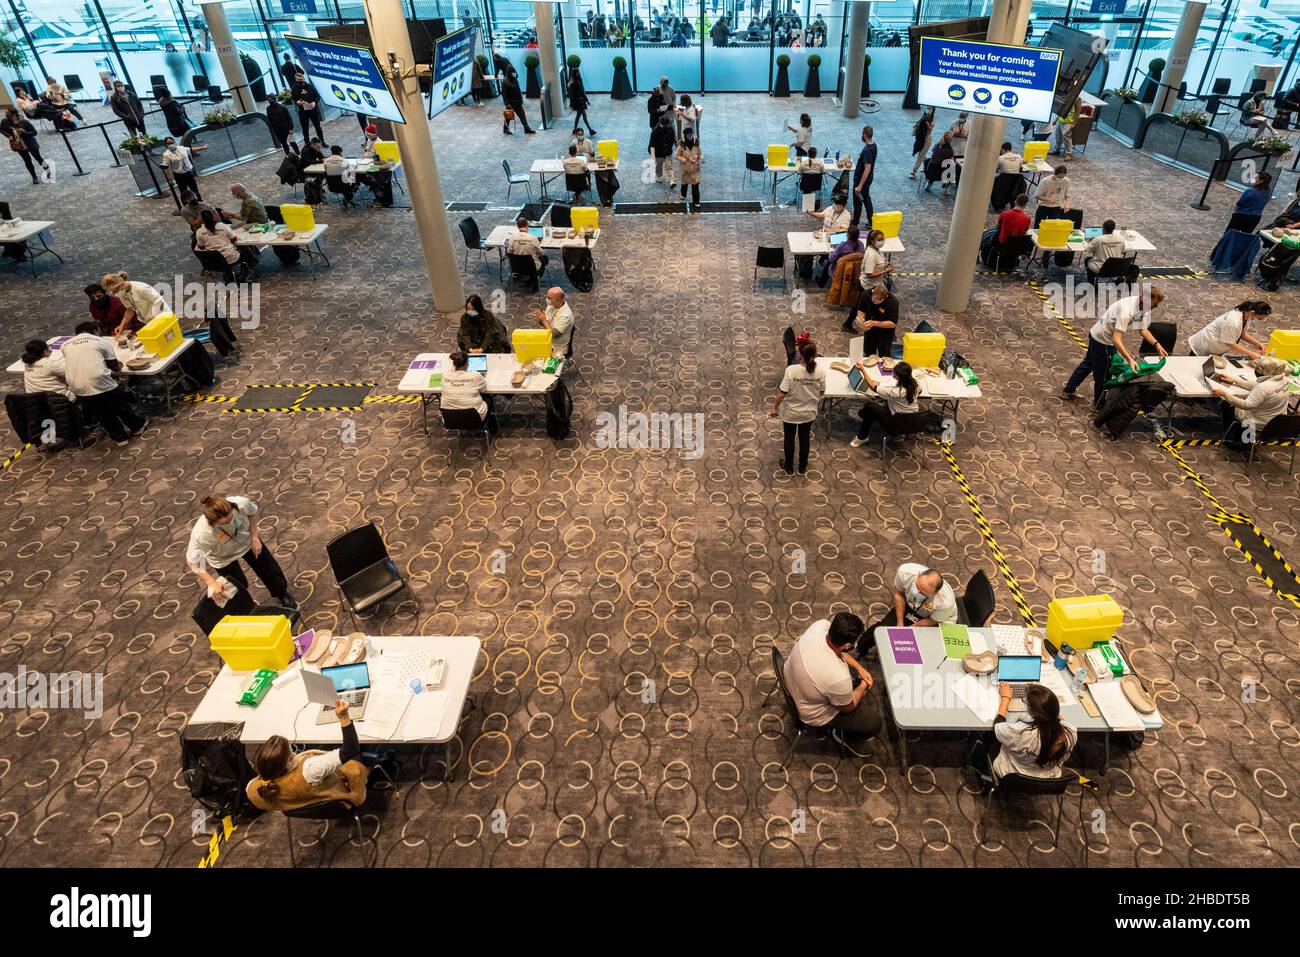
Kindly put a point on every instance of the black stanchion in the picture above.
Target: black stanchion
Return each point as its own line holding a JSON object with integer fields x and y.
{"x": 1219, "y": 165}
{"x": 111, "y": 150}
{"x": 76, "y": 162}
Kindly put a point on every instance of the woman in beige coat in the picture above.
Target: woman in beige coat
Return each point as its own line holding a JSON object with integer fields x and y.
{"x": 688, "y": 167}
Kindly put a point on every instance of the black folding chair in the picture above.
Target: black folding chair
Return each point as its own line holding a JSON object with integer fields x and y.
{"x": 365, "y": 573}
{"x": 770, "y": 257}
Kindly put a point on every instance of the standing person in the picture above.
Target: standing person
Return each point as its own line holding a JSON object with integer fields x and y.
{"x": 960, "y": 133}
{"x": 1251, "y": 203}
{"x": 879, "y": 323}
{"x": 173, "y": 111}
{"x": 922, "y": 132}
{"x": 308, "y": 102}
{"x": 513, "y": 97}
{"x": 578, "y": 102}
{"x": 141, "y": 300}
{"x": 1226, "y": 334}
{"x": 655, "y": 108}
{"x": 661, "y": 148}
{"x": 1107, "y": 337}
{"x": 281, "y": 123}
{"x": 900, "y": 397}
{"x": 1065, "y": 131}
{"x": 126, "y": 107}
{"x": 480, "y": 331}
{"x": 669, "y": 107}
{"x": 477, "y": 83}
{"x": 802, "y": 135}
{"x": 289, "y": 70}
{"x": 689, "y": 159}
{"x": 61, "y": 97}
{"x": 22, "y": 140}
{"x": 179, "y": 161}
{"x": 225, "y": 534}
{"x": 797, "y": 402}
{"x": 89, "y": 362}
{"x": 863, "y": 173}
{"x": 688, "y": 117}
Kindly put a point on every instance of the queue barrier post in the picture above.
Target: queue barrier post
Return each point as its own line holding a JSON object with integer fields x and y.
{"x": 76, "y": 162}
{"x": 111, "y": 151}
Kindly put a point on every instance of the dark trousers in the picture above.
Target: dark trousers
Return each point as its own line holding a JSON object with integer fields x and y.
{"x": 520, "y": 115}
{"x": 863, "y": 721}
{"x": 862, "y": 201}
{"x": 1232, "y": 439}
{"x": 284, "y": 141}
{"x": 804, "y": 431}
{"x": 695, "y": 193}
{"x": 112, "y": 410}
{"x": 1095, "y": 363}
{"x": 134, "y": 127}
{"x": 586, "y": 123}
{"x": 32, "y": 152}
{"x": 188, "y": 181}
{"x": 874, "y": 413}
{"x": 877, "y": 341}
{"x": 265, "y": 566}
{"x": 313, "y": 117}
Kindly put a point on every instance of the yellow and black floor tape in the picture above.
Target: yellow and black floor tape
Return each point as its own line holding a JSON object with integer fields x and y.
{"x": 1198, "y": 443}
{"x": 999, "y": 558}
{"x": 208, "y": 398}
{"x": 221, "y": 836}
{"x": 12, "y": 457}
{"x": 1072, "y": 332}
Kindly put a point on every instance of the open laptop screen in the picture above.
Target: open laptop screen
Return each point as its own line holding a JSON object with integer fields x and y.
{"x": 348, "y": 677}
{"x": 1019, "y": 668}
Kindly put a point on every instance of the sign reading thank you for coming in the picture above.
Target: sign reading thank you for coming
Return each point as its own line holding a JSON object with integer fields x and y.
{"x": 346, "y": 76}
{"x": 1011, "y": 81}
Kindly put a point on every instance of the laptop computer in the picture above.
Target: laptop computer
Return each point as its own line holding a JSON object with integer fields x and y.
{"x": 1019, "y": 671}
{"x": 538, "y": 231}
{"x": 1091, "y": 232}
{"x": 1208, "y": 371}
{"x": 351, "y": 683}
{"x": 837, "y": 238}
{"x": 477, "y": 363}
{"x": 858, "y": 381}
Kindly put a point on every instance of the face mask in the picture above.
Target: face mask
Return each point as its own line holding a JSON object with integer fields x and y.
{"x": 471, "y": 313}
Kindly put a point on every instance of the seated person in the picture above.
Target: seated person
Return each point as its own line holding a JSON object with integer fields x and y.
{"x": 368, "y": 149}
{"x": 1037, "y": 745}
{"x": 312, "y": 154}
{"x": 900, "y": 394}
{"x": 582, "y": 142}
{"x": 1226, "y": 334}
{"x": 922, "y": 599}
{"x": 45, "y": 371}
{"x": 574, "y": 164}
{"x": 834, "y": 218}
{"x": 1267, "y": 398}
{"x": 1253, "y": 115}
{"x": 810, "y": 164}
{"x": 480, "y": 331}
{"x": 877, "y": 320}
{"x": 942, "y": 165}
{"x": 524, "y": 243}
{"x": 1290, "y": 216}
{"x": 251, "y": 210}
{"x": 336, "y": 165}
{"x": 462, "y": 389}
{"x": 1009, "y": 161}
{"x": 287, "y": 781}
{"x": 1103, "y": 247}
{"x": 1014, "y": 221}
{"x": 215, "y": 236}
{"x": 852, "y": 244}
{"x": 109, "y": 313}
{"x": 819, "y": 674}
{"x": 558, "y": 318}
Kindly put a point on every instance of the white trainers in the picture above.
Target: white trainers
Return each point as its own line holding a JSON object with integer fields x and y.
{"x": 857, "y": 443}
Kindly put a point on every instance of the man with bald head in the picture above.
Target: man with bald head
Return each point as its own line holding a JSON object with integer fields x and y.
{"x": 558, "y": 318}
{"x": 921, "y": 599}
{"x": 251, "y": 209}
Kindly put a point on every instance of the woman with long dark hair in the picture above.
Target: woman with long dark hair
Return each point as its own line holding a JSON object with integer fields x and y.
{"x": 797, "y": 403}
{"x": 900, "y": 397}
{"x": 578, "y": 102}
{"x": 480, "y": 331}
{"x": 1036, "y": 746}
{"x": 922, "y": 130}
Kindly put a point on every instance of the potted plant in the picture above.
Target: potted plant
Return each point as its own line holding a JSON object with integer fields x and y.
{"x": 622, "y": 89}
{"x": 1192, "y": 119}
{"x": 12, "y": 54}
{"x": 218, "y": 117}
{"x": 1155, "y": 69}
{"x": 256, "y": 81}
{"x": 1127, "y": 94}
{"x": 533, "y": 89}
{"x": 285, "y": 96}
{"x": 1271, "y": 144}
{"x": 137, "y": 145}
{"x": 813, "y": 85}
{"x": 574, "y": 61}
{"x": 782, "y": 87}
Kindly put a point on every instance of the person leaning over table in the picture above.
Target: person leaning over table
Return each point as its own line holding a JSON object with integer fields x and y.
{"x": 1266, "y": 398}
{"x": 1107, "y": 337}
{"x": 480, "y": 331}
{"x": 463, "y": 389}
{"x": 251, "y": 210}
{"x": 225, "y": 534}
{"x": 45, "y": 371}
{"x": 312, "y": 154}
{"x": 89, "y": 363}
{"x": 109, "y": 313}
{"x": 1037, "y": 745}
{"x": 1226, "y": 333}
{"x": 558, "y": 318}
{"x": 799, "y": 397}
{"x": 142, "y": 301}
{"x": 287, "y": 781}
{"x": 819, "y": 674}
{"x": 921, "y": 599}
{"x": 1108, "y": 245}
{"x": 523, "y": 243}
{"x": 1053, "y": 195}
{"x": 900, "y": 394}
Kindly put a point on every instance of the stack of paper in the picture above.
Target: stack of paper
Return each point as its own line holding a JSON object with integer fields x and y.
{"x": 384, "y": 712}
{"x": 417, "y": 375}
{"x": 1010, "y": 639}
{"x": 1114, "y": 707}
{"x": 979, "y": 694}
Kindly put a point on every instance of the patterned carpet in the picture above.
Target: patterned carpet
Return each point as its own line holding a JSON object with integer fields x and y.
{"x": 623, "y": 564}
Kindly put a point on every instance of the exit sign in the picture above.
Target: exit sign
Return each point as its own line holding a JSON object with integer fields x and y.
{"x": 298, "y": 6}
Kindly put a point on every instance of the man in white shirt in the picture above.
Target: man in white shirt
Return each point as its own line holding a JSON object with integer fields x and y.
{"x": 558, "y": 318}
{"x": 1106, "y": 246}
{"x": 819, "y": 675}
{"x": 921, "y": 599}
{"x": 524, "y": 243}
{"x": 960, "y": 133}
{"x": 1107, "y": 337}
{"x": 179, "y": 161}
{"x": 88, "y": 363}
{"x": 576, "y": 165}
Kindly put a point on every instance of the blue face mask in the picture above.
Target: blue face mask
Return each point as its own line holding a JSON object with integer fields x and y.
{"x": 471, "y": 313}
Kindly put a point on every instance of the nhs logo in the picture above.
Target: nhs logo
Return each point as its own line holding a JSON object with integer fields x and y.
{"x": 1049, "y": 56}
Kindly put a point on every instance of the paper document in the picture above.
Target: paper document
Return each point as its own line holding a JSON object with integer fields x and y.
{"x": 384, "y": 711}
{"x": 1053, "y": 679}
{"x": 1114, "y": 707}
{"x": 1010, "y": 639}
{"x": 979, "y": 642}
{"x": 940, "y": 387}
{"x": 956, "y": 641}
{"x": 979, "y": 694}
{"x": 856, "y": 345}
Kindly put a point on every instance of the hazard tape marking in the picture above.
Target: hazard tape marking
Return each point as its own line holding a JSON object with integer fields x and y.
{"x": 222, "y": 836}
{"x": 12, "y": 457}
{"x": 999, "y": 558}
{"x": 1072, "y": 332}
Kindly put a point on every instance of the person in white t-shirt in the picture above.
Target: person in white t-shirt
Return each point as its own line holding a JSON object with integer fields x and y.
{"x": 1108, "y": 245}
{"x": 89, "y": 361}
{"x": 1227, "y": 333}
{"x": 462, "y": 389}
{"x": 875, "y": 267}
{"x": 44, "y": 371}
{"x": 921, "y": 599}
{"x": 797, "y": 402}
{"x": 900, "y": 393}
{"x": 1037, "y": 745}
{"x": 557, "y": 317}
{"x": 179, "y": 161}
{"x": 1107, "y": 337}
{"x": 835, "y": 218}
{"x": 819, "y": 674}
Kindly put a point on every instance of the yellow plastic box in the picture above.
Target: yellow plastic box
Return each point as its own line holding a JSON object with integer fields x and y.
{"x": 778, "y": 154}
{"x": 386, "y": 151}
{"x": 1285, "y": 343}
{"x": 608, "y": 149}
{"x": 583, "y": 216}
{"x": 1055, "y": 233}
{"x": 253, "y": 642}
{"x": 923, "y": 349}
{"x": 1083, "y": 621}
{"x": 298, "y": 217}
{"x": 530, "y": 344}
{"x": 161, "y": 335}
{"x": 887, "y": 223}
{"x": 1036, "y": 150}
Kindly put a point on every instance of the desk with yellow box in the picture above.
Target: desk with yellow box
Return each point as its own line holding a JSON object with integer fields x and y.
{"x": 548, "y": 170}
{"x": 927, "y": 688}
{"x": 585, "y": 231}
{"x": 1060, "y": 236}
{"x": 424, "y": 375}
{"x": 151, "y": 353}
{"x": 299, "y": 229}
{"x": 782, "y": 163}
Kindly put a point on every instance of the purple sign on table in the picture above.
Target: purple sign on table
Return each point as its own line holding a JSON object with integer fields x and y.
{"x": 424, "y": 364}
{"x": 902, "y": 641}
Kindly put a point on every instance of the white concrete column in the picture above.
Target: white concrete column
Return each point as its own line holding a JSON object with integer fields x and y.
{"x": 970, "y": 211}
{"x": 854, "y": 53}
{"x": 1181, "y": 51}
{"x": 387, "y": 22}
{"x": 233, "y": 70}
{"x": 545, "y": 19}
{"x": 569, "y": 27}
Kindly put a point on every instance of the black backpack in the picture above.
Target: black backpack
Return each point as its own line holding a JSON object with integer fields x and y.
{"x": 559, "y": 411}
{"x": 578, "y": 267}
{"x": 216, "y": 771}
